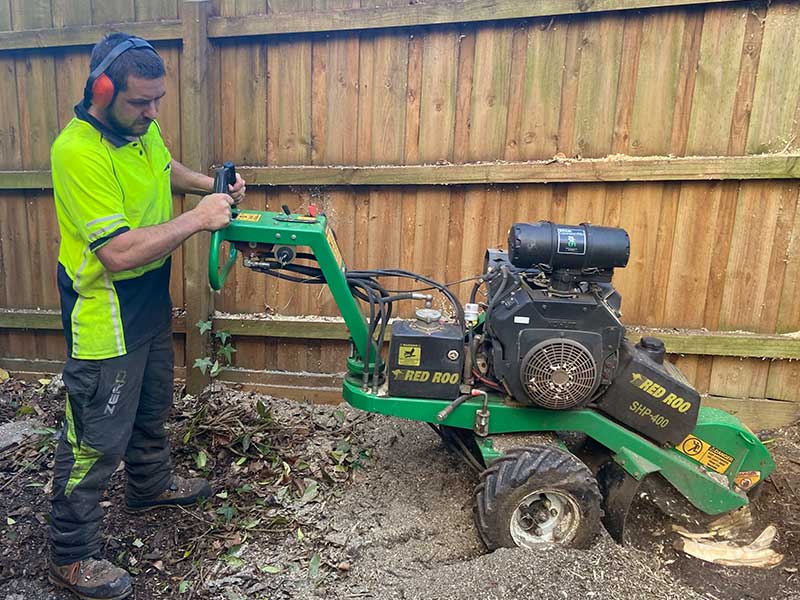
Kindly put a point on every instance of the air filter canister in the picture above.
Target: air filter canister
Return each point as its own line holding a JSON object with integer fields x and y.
{"x": 567, "y": 246}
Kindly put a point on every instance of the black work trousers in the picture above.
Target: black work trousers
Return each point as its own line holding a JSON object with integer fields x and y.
{"x": 116, "y": 409}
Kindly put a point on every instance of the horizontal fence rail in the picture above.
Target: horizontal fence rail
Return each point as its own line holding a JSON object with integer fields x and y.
{"x": 701, "y": 342}
{"x": 411, "y": 15}
{"x": 87, "y": 35}
{"x": 615, "y": 169}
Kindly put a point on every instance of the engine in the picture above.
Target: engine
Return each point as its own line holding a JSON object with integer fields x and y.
{"x": 552, "y": 334}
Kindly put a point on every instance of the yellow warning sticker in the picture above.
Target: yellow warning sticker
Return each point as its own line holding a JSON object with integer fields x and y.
{"x": 337, "y": 254}
{"x": 747, "y": 479}
{"x": 409, "y": 355}
{"x": 250, "y": 217}
{"x": 705, "y": 453}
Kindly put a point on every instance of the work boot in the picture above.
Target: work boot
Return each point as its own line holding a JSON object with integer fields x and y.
{"x": 181, "y": 492}
{"x": 91, "y": 579}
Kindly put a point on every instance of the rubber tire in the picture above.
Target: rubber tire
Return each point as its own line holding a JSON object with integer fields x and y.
{"x": 524, "y": 470}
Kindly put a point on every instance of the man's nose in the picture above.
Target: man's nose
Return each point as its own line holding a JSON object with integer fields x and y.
{"x": 151, "y": 112}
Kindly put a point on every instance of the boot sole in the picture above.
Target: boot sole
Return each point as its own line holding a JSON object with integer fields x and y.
{"x": 140, "y": 509}
{"x": 64, "y": 585}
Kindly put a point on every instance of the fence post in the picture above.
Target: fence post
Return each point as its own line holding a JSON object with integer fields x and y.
{"x": 197, "y": 133}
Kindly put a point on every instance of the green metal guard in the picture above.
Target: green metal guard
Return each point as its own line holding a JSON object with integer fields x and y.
{"x": 635, "y": 454}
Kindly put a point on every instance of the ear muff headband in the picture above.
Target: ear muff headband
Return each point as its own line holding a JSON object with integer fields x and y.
{"x": 99, "y": 88}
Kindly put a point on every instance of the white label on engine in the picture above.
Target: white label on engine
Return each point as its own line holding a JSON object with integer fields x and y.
{"x": 522, "y": 320}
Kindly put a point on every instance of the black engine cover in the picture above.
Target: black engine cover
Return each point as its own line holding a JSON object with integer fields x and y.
{"x": 651, "y": 397}
{"x": 551, "y": 350}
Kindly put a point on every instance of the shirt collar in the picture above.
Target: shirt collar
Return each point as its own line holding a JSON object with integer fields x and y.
{"x": 116, "y": 139}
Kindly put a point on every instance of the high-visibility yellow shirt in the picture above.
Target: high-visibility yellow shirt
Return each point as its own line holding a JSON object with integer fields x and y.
{"x": 104, "y": 185}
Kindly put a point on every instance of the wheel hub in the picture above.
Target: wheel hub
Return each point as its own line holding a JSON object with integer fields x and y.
{"x": 544, "y": 517}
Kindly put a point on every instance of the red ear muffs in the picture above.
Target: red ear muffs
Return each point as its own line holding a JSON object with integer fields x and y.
{"x": 102, "y": 91}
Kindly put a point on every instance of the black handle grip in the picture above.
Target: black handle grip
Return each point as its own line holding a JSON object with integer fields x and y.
{"x": 225, "y": 176}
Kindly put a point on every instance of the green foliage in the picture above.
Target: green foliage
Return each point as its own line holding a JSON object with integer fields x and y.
{"x": 220, "y": 354}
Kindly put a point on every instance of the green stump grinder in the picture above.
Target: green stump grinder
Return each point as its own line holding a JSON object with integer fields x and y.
{"x": 537, "y": 387}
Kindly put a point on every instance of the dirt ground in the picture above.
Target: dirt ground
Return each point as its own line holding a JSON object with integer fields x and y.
{"x": 330, "y": 502}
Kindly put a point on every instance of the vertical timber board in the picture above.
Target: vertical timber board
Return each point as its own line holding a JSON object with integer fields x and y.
{"x": 715, "y": 84}
{"x": 288, "y": 111}
{"x": 781, "y": 267}
{"x": 789, "y": 308}
{"x": 723, "y": 238}
{"x": 747, "y": 285}
{"x": 598, "y": 85}
{"x": 544, "y": 72}
{"x": 285, "y": 6}
{"x": 31, "y": 14}
{"x": 364, "y": 128}
{"x": 692, "y": 251}
{"x": 71, "y": 71}
{"x": 687, "y": 75}
{"x": 777, "y": 90}
{"x": 112, "y": 11}
{"x": 5, "y": 15}
{"x": 455, "y": 234}
{"x": 653, "y": 296}
{"x": 782, "y": 380}
{"x": 388, "y": 103}
{"x": 640, "y": 216}
{"x": 519, "y": 57}
{"x": 464, "y": 77}
{"x": 10, "y": 134}
{"x": 153, "y": 10}
{"x": 198, "y": 143}
{"x": 411, "y": 141}
{"x": 657, "y": 82}
{"x": 490, "y": 91}
{"x": 569, "y": 87}
{"x": 746, "y": 85}
{"x": 626, "y": 90}
{"x": 71, "y": 12}
{"x": 335, "y": 105}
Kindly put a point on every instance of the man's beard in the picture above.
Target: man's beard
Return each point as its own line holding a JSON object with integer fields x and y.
{"x": 122, "y": 129}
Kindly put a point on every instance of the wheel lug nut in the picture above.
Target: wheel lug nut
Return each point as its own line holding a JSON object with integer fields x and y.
{"x": 554, "y": 512}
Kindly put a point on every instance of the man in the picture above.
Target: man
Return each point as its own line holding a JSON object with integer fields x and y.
{"x": 113, "y": 178}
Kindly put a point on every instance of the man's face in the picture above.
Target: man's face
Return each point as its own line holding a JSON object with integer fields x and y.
{"x": 136, "y": 107}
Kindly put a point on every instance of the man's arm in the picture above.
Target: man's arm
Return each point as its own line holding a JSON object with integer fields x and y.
{"x": 185, "y": 181}
{"x": 138, "y": 247}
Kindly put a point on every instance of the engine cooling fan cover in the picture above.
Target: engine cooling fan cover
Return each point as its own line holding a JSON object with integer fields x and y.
{"x": 559, "y": 374}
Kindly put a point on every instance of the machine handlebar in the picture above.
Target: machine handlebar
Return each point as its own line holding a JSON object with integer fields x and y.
{"x": 224, "y": 176}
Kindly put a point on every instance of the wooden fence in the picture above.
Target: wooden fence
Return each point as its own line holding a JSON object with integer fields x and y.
{"x": 424, "y": 130}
